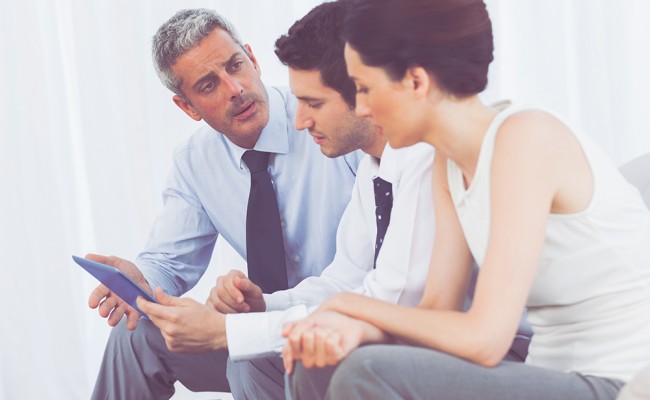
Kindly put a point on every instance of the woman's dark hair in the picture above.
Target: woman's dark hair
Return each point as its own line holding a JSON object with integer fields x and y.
{"x": 315, "y": 43}
{"x": 451, "y": 39}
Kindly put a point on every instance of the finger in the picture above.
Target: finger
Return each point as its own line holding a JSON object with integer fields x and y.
{"x": 132, "y": 317}
{"x": 96, "y": 257}
{"x": 333, "y": 350}
{"x": 287, "y": 359}
{"x": 116, "y": 315}
{"x": 219, "y": 293}
{"x": 162, "y": 297}
{"x": 225, "y": 296}
{"x": 107, "y": 306}
{"x": 307, "y": 354}
{"x": 113, "y": 261}
{"x": 164, "y": 309}
{"x": 247, "y": 287}
{"x": 252, "y": 293}
{"x": 320, "y": 346}
{"x": 294, "y": 339}
{"x": 220, "y": 306}
{"x": 117, "y": 262}
{"x": 154, "y": 311}
{"x": 96, "y": 296}
{"x": 232, "y": 286}
{"x": 288, "y": 327}
{"x": 167, "y": 299}
{"x": 213, "y": 298}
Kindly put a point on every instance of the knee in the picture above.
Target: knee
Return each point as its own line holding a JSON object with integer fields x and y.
{"x": 357, "y": 375}
{"x": 358, "y": 365}
{"x": 256, "y": 379}
{"x": 310, "y": 383}
{"x": 145, "y": 336}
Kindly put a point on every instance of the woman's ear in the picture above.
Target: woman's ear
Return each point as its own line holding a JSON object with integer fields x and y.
{"x": 418, "y": 80}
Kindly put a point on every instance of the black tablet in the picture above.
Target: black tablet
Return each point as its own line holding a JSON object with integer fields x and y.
{"x": 116, "y": 280}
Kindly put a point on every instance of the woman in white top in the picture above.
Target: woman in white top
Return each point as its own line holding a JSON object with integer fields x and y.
{"x": 549, "y": 219}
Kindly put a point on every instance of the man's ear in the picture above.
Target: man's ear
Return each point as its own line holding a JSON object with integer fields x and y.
{"x": 248, "y": 49}
{"x": 418, "y": 80}
{"x": 186, "y": 107}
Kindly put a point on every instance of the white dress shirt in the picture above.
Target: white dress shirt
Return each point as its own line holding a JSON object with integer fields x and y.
{"x": 402, "y": 264}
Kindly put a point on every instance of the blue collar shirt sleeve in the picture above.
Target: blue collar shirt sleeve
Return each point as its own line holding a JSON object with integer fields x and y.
{"x": 207, "y": 192}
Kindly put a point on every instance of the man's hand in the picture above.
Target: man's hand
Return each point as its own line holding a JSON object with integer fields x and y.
{"x": 110, "y": 305}
{"x": 186, "y": 325}
{"x": 235, "y": 293}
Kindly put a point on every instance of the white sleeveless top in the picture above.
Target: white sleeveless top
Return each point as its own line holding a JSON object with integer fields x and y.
{"x": 589, "y": 306}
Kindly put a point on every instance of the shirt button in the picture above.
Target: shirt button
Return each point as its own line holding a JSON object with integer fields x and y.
{"x": 296, "y": 258}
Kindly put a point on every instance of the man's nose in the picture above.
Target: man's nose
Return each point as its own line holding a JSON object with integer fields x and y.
{"x": 303, "y": 119}
{"x": 233, "y": 87}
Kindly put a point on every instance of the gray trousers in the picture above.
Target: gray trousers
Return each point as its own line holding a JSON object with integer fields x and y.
{"x": 138, "y": 366}
{"x": 405, "y": 372}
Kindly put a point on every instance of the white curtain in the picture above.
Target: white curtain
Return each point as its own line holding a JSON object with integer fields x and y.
{"x": 588, "y": 60}
{"x": 87, "y": 131}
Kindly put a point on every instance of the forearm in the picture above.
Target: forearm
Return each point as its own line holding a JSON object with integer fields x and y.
{"x": 315, "y": 290}
{"x": 166, "y": 261}
{"x": 454, "y": 332}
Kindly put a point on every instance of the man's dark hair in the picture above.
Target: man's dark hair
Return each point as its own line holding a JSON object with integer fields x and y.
{"x": 314, "y": 43}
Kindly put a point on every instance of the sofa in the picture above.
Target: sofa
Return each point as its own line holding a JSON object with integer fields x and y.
{"x": 637, "y": 172}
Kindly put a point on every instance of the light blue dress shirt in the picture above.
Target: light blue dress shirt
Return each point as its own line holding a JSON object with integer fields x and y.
{"x": 207, "y": 193}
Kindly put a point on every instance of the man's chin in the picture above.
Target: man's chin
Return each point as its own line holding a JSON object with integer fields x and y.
{"x": 251, "y": 125}
{"x": 331, "y": 153}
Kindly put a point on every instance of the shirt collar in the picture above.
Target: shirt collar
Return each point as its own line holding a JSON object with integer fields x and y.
{"x": 275, "y": 135}
{"x": 387, "y": 168}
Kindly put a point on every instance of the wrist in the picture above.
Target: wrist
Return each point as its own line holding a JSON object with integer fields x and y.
{"x": 334, "y": 303}
{"x": 219, "y": 338}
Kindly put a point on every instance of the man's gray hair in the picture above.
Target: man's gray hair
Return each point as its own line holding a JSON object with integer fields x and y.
{"x": 181, "y": 33}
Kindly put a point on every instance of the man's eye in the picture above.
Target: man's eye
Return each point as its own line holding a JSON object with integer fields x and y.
{"x": 237, "y": 66}
{"x": 362, "y": 90}
{"x": 314, "y": 105}
{"x": 207, "y": 87}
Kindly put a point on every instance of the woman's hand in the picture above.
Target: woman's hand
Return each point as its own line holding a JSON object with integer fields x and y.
{"x": 324, "y": 338}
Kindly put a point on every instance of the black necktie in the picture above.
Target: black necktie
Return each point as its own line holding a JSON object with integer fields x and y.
{"x": 264, "y": 244}
{"x": 383, "y": 206}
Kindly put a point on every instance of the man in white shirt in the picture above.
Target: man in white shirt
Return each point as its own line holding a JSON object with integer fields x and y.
{"x": 313, "y": 50}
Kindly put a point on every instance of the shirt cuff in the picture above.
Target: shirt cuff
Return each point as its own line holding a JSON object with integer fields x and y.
{"x": 257, "y": 335}
{"x": 280, "y": 300}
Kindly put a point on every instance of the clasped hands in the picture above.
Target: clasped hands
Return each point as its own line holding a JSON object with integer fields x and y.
{"x": 326, "y": 336}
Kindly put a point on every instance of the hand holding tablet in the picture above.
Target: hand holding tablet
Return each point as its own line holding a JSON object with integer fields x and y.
{"x": 117, "y": 281}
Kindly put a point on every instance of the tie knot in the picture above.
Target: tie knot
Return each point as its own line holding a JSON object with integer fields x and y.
{"x": 383, "y": 191}
{"x": 256, "y": 160}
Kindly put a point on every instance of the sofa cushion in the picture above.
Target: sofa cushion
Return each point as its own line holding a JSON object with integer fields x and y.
{"x": 637, "y": 172}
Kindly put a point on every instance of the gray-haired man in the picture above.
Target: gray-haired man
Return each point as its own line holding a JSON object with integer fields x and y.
{"x": 215, "y": 78}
